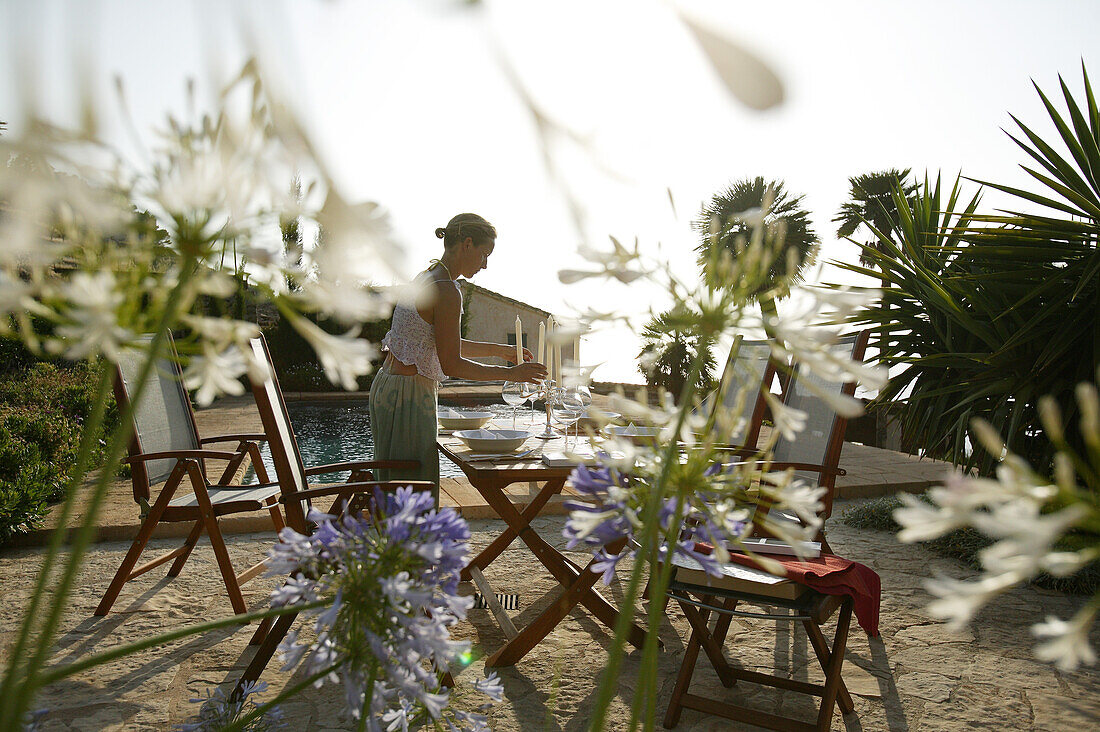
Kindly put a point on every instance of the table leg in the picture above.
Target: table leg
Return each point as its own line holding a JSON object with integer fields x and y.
{"x": 502, "y": 542}
{"x": 578, "y": 584}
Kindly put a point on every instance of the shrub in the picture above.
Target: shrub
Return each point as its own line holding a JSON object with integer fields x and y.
{"x": 296, "y": 363}
{"x": 42, "y": 408}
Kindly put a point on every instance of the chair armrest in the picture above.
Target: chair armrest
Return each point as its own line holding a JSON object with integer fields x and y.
{"x": 362, "y": 487}
{"x": 363, "y": 465}
{"x": 181, "y": 455}
{"x": 233, "y": 438}
{"x": 814, "y": 467}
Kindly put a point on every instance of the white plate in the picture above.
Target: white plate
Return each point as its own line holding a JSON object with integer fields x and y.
{"x": 501, "y": 441}
{"x": 463, "y": 420}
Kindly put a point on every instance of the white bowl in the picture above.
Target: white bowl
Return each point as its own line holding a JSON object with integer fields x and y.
{"x": 463, "y": 420}
{"x": 501, "y": 441}
{"x": 637, "y": 435}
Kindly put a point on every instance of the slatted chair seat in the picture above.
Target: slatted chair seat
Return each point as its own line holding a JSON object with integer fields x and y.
{"x": 232, "y": 499}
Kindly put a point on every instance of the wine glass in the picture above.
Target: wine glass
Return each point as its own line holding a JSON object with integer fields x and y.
{"x": 513, "y": 395}
{"x": 530, "y": 392}
{"x": 567, "y": 405}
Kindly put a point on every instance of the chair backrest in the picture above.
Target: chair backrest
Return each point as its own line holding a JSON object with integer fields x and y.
{"x": 163, "y": 419}
{"x": 822, "y": 439}
{"x": 289, "y": 468}
{"x": 747, "y": 375}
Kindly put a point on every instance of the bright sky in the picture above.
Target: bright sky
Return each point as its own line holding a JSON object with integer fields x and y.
{"x": 408, "y": 103}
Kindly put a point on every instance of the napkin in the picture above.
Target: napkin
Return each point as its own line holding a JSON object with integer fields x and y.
{"x": 482, "y": 434}
{"x": 449, "y": 414}
{"x": 830, "y": 575}
{"x": 565, "y": 460}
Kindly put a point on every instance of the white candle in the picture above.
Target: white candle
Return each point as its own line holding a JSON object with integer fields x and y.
{"x": 519, "y": 341}
{"x": 577, "y": 351}
{"x": 550, "y": 347}
{"x": 542, "y": 342}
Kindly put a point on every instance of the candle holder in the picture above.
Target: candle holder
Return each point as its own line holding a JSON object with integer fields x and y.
{"x": 546, "y": 391}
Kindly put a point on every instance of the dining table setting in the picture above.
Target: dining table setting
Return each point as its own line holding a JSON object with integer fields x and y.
{"x": 536, "y": 453}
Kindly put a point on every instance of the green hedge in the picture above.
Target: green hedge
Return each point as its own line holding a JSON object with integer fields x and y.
{"x": 42, "y": 408}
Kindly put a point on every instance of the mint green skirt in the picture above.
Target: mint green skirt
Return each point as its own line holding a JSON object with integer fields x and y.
{"x": 403, "y": 425}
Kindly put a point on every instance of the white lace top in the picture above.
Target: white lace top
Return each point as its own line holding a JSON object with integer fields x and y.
{"x": 411, "y": 340}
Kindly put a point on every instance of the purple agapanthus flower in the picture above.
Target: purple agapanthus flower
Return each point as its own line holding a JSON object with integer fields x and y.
{"x": 613, "y": 504}
{"x": 392, "y": 576}
{"x": 220, "y": 710}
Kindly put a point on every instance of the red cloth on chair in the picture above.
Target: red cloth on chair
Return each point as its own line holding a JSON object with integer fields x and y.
{"x": 829, "y": 575}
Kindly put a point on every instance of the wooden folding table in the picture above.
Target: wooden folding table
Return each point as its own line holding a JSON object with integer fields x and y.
{"x": 490, "y": 478}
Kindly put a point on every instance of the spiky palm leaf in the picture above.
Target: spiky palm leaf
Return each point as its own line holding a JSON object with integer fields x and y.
{"x": 988, "y": 313}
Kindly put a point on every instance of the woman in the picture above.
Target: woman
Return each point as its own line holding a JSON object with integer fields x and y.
{"x": 425, "y": 346}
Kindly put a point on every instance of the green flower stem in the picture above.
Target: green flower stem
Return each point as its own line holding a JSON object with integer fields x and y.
{"x": 14, "y": 705}
{"x": 61, "y": 672}
{"x": 368, "y": 694}
{"x": 282, "y": 696}
{"x": 651, "y": 531}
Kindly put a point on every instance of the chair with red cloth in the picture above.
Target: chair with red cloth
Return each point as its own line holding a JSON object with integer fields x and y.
{"x": 812, "y": 592}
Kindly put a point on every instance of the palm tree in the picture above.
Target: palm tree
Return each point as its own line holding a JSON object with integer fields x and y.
{"x": 731, "y": 216}
{"x": 871, "y": 202}
{"x": 672, "y": 344}
{"x": 751, "y": 207}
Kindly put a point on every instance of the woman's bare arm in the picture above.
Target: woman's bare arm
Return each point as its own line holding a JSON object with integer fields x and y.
{"x": 452, "y": 349}
{"x": 481, "y": 349}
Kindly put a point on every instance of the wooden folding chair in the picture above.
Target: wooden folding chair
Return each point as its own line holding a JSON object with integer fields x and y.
{"x": 814, "y": 456}
{"x": 297, "y": 495}
{"x": 785, "y": 602}
{"x": 166, "y": 447}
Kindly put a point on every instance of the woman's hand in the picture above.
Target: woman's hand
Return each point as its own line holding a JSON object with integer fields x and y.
{"x": 529, "y": 371}
{"x": 508, "y": 353}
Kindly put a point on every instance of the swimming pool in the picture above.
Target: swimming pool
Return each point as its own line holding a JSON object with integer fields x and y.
{"x": 335, "y": 431}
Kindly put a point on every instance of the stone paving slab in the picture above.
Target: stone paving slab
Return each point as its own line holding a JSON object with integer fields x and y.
{"x": 870, "y": 471}
{"x": 916, "y": 677}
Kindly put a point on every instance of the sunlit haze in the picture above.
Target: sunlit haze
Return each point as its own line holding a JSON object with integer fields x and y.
{"x": 409, "y": 104}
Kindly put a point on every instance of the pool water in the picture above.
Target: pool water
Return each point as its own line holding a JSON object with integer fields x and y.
{"x": 332, "y": 432}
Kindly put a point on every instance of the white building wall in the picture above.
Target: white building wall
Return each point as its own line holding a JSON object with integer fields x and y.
{"x": 492, "y": 318}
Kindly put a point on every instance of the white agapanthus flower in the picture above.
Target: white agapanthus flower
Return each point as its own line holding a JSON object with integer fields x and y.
{"x": 1026, "y": 515}
{"x": 343, "y": 357}
{"x": 90, "y": 326}
{"x": 958, "y": 600}
{"x": 215, "y": 372}
{"x": 1066, "y": 643}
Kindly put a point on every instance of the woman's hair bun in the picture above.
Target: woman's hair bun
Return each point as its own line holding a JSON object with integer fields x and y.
{"x": 440, "y": 233}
